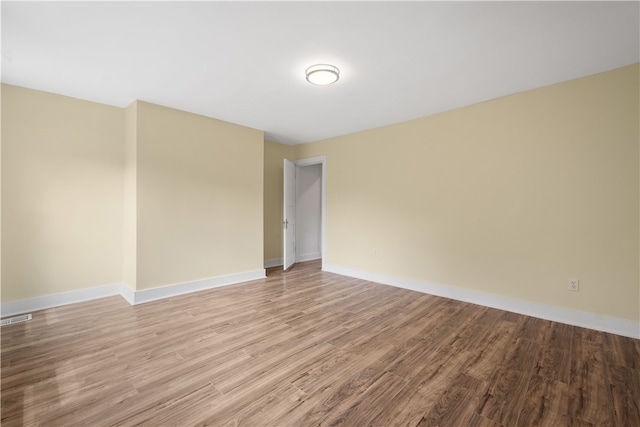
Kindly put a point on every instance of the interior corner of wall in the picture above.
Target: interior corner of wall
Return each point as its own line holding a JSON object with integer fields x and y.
{"x": 128, "y": 293}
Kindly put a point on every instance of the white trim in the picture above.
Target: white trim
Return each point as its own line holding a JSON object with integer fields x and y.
{"x": 132, "y": 297}
{"x": 275, "y": 262}
{"x": 128, "y": 294}
{"x": 148, "y": 295}
{"x": 308, "y": 257}
{"x": 322, "y": 160}
{"x": 47, "y": 301}
{"x": 311, "y": 161}
{"x": 583, "y": 319}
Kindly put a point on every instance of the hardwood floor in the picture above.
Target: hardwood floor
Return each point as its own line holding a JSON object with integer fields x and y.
{"x": 308, "y": 348}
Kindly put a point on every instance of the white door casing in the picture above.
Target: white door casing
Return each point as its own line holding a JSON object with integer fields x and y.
{"x": 289, "y": 221}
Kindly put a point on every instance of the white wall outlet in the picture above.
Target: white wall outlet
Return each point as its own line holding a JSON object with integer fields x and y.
{"x": 574, "y": 285}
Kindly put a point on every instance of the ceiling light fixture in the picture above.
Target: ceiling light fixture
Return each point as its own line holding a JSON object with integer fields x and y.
{"x": 322, "y": 74}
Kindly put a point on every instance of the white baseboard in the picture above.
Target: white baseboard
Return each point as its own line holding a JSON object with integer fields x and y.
{"x": 308, "y": 257}
{"x": 583, "y": 319}
{"x": 132, "y": 297}
{"x": 47, "y": 301}
{"x": 276, "y": 262}
{"x": 148, "y": 295}
{"x": 557, "y": 314}
{"x": 128, "y": 294}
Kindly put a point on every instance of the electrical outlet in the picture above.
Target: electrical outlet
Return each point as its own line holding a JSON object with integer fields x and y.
{"x": 574, "y": 285}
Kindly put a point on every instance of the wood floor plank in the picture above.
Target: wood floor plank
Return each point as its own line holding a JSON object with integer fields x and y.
{"x": 406, "y": 409}
{"x": 622, "y": 351}
{"x": 589, "y": 398}
{"x": 554, "y": 364}
{"x": 523, "y": 355}
{"x": 456, "y": 405}
{"x": 268, "y": 407}
{"x": 538, "y": 330}
{"x": 546, "y": 403}
{"x": 307, "y": 347}
{"x": 625, "y": 393}
{"x": 374, "y": 400}
{"x": 505, "y": 397}
{"x": 481, "y": 361}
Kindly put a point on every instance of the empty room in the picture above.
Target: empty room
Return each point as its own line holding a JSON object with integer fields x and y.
{"x": 320, "y": 213}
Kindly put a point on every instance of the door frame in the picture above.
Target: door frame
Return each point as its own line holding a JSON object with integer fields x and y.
{"x": 319, "y": 160}
{"x": 290, "y": 190}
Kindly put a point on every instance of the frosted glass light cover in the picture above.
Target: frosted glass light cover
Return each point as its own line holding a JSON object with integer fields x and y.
{"x": 322, "y": 74}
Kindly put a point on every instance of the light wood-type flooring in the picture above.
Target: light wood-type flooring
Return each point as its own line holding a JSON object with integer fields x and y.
{"x": 305, "y": 348}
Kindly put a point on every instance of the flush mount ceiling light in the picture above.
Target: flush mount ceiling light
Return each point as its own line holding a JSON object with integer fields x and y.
{"x": 322, "y": 74}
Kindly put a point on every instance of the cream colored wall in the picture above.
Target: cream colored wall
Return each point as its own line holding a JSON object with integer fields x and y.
{"x": 62, "y": 190}
{"x": 1, "y": 87}
{"x": 199, "y": 197}
{"x": 274, "y": 154}
{"x": 510, "y": 197}
{"x": 147, "y": 195}
{"x": 130, "y": 225}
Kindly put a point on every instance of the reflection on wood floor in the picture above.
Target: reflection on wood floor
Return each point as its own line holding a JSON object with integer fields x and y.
{"x": 305, "y": 347}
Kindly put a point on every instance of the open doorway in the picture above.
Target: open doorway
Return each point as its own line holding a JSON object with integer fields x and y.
{"x": 308, "y": 208}
{"x": 304, "y": 211}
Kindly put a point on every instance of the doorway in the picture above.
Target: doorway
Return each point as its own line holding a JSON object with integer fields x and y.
{"x": 304, "y": 210}
{"x": 308, "y": 202}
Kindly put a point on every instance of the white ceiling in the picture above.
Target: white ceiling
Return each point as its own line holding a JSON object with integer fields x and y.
{"x": 244, "y": 62}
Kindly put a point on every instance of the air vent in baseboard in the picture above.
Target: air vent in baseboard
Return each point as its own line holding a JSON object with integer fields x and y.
{"x": 16, "y": 319}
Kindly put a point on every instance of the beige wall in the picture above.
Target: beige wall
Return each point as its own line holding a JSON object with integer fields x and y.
{"x": 147, "y": 195}
{"x": 511, "y": 197}
{"x": 130, "y": 225}
{"x": 274, "y": 154}
{"x": 62, "y": 190}
{"x": 199, "y": 197}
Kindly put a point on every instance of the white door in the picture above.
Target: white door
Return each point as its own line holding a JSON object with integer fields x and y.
{"x": 289, "y": 222}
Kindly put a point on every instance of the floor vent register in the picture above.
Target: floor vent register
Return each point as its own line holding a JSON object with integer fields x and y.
{"x": 17, "y": 319}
